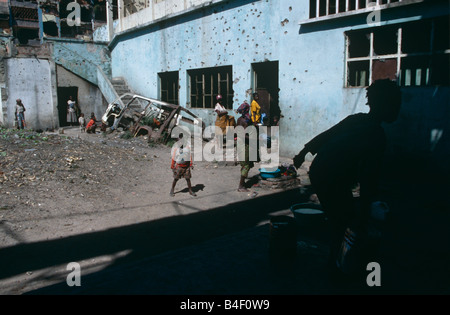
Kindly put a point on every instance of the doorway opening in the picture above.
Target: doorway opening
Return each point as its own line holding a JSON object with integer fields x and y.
{"x": 265, "y": 83}
{"x": 63, "y": 96}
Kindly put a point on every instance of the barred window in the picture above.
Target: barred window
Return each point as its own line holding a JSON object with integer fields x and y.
{"x": 207, "y": 83}
{"x": 415, "y": 54}
{"x": 319, "y": 8}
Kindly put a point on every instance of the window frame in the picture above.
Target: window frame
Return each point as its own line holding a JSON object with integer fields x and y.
{"x": 429, "y": 54}
{"x": 321, "y": 9}
{"x": 211, "y": 81}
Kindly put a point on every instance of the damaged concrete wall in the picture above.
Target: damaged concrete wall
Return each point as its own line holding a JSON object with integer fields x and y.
{"x": 135, "y": 13}
{"x": 227, "y": 34}
{"x": 240, "y": 35}
{"x": 82, "y": 58}
{"x": 311, "y": 58}
{"x": 32, "y": 80}
{"x": 90, "y": 99}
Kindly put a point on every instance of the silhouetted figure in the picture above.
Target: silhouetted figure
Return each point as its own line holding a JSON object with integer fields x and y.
{"x": 349, "y": 153}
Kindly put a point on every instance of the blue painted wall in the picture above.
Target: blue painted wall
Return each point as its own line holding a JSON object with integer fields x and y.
{"x": 311, "y": 66}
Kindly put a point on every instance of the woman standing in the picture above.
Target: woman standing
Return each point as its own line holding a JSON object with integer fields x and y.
{"x": 20, "y": 113}
{"x": 71, "y": 112}
{"x": 223, "y": 120}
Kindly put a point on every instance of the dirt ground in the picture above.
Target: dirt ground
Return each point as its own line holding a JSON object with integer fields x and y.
{"x": 58, "y": 185}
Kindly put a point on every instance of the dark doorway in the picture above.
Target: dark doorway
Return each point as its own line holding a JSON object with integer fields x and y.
{"x": 63, "y": 97}
{"x": 265, "y": 82}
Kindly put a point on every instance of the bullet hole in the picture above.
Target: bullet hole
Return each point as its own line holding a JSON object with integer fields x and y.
{"x": 290, "y": 63}
{"x": 295, "y": 79}
{"x": 285, "y": 32}
{"x": 290, "y": 9}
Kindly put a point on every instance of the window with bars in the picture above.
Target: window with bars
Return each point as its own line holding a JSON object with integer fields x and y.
{"x": 207, "y": 83}
{"x": 169, "y": 87}
{"x": 319, "y": 8}
{"x": 415, "y": 54}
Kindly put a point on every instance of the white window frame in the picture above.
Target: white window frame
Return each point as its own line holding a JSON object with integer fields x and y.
{"x": 399, "y": 56}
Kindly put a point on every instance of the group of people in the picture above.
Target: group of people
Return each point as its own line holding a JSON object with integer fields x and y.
{"x": 250, "y": 115}
{"x": 75, "y": 115}
{"x": 347, "y": 154}
{"x": 225, "y": 120}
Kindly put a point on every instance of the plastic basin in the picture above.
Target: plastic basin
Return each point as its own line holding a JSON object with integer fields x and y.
{"x": 265, "y": 173}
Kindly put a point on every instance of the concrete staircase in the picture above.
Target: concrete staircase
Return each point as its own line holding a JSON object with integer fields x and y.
{"x": 121, "y": 87}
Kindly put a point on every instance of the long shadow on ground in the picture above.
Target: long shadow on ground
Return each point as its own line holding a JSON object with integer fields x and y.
{"x": 224, "y": 251}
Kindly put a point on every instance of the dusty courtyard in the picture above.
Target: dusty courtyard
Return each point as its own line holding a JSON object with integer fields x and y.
{"x": 55, "y": 186}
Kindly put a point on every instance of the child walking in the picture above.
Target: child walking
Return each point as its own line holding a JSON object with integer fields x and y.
{"x": 181, "y": 166}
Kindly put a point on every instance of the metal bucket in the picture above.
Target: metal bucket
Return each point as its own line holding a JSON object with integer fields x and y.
{"x": 283, "y": 237}
{"x": 310, "y": 219}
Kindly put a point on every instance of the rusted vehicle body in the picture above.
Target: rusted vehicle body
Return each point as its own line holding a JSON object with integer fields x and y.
{"x": 142, "y": 115}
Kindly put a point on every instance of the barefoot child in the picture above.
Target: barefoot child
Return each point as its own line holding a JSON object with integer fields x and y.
{"x": 82, "y": 122}
{"x": 181, "y": 166}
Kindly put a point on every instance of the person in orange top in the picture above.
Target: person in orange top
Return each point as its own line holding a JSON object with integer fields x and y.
{"x": 90, "y": 128}
{"x": 181, "y": 166}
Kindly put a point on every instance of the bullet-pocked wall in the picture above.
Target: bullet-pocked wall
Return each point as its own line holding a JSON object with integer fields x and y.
{"x": 32, "y": 80}
{"x": 311, "y": 64}
{"x": 239, "y": 34}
